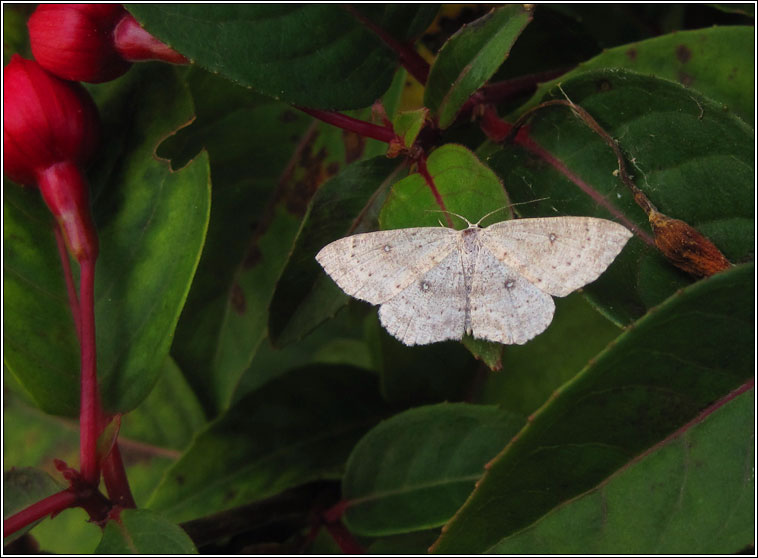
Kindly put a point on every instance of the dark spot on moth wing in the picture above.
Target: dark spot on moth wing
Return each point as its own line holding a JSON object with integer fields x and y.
{"x": 387, "y": 248}
{"x": 509, "y": 284}
{"x": 552, "y": 237}
{"x": 425, "y": 286}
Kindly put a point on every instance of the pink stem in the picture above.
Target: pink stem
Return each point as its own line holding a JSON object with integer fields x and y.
{"x": 50, "y": 505}
{"x": 409, "y": 58}
{"x": 424, "y": 171}
{"x": 497, "y": 130}
{"x": 73, "y": 299}
{"x": 351, "y": 124}
{"x": 89, "y": 414}
{"x": 115, "y": 479}
{"x": 344, "y": 539}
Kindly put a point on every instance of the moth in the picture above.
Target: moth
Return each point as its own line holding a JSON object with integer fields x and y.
{"x": 494, "y": 283}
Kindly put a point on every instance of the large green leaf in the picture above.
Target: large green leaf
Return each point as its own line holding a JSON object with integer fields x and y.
{"x": 717, "y": 62}
{"x": 250, "y": 141}
{"x": 692, "y": 159}
{"x": 151, "y": 224}
{"x": 698, "y": 489}
{"x": 169, "y": 417}
{"x": 531, "y": 372}
{"x": 143, "y": 532}
{"x": 295, "y": 429}
{"x": 413, "y": 471}
{"x": 470, "y": 57}
{"x": 316, "y": 55}
{"x": 463, "y": 183}
{"x": 689, "y": 352}
{"x": 40, "y": 348}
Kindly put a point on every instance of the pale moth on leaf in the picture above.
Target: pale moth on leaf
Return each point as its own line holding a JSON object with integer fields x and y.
{"x": 495, "y": 283}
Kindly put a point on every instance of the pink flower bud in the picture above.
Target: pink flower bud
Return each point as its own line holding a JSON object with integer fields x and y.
{"x": 75, "y": 41}
{"x": 45, "y": 121}
{"x": 50, "y": 131}
{"x": 92, "y": 42}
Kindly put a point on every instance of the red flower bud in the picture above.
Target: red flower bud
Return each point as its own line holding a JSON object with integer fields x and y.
{"x": 45, "y": 121}
{"x": 75, "y": 41}
{"x": 92, "y": 42}
{"x": 50, "y": 131}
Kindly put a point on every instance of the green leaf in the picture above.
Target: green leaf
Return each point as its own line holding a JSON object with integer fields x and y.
{"x": 23, "y": 487}
{"x": 408, "y": 124}
{"x": 743, "y": 9}
{"x": 470, "y": 57}
{"x": 40, "y": 347}
{"x": 316, "y": 55}
{"x": 144, "y": 532}
{"x": 347, "y": 204}
{"x": 421, "y": 374}
{"x": 674, "y": 362}
{"x": 698, "y": 489}
{"x": 151, "y": 224}
{"x": 250, "y": 141}
{"x": 15, "y": 35}
{"x": 169, "y": 417}
{"x": 531, "y": 372}
{"x": 717, "y": 62}
{"x": 295, "y": 429}
{"x": 693, "y": 161}
{"x": 417, "y": 542}
{"x": 413, "y": 471}
{"x": 464, "y": 184}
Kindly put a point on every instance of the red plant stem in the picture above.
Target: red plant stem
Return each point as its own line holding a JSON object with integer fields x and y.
{"x": 89, "y": 414}
{"x": 73, "y": 299}
{"x": 115, "y": 479}
{"x": 344, "y": 539}
{"x": 409, "y": 58}
{"x": 424, "y": 171}
{"x": 50, "y": 505}
{"x": 351, "y": 124}
{"x": 497, "y": 130}
{"x": 502, "y": 90}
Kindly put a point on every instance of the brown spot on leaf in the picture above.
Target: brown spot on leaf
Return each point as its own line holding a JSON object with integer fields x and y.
{"x": 354, "y": 145}
{"x": 685, "y": 79}
{"x": 253, "y": 257}
{"x": 287, "y": 116}
{"x": 603, "y": 85}
{"x": 631, "y": 54}
{"x": 683, "y": 54}
{"x": 237, "y": 299}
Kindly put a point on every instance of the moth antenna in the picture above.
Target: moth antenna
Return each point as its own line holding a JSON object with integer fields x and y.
{"x": 469, "y": 223}
{"x": 506, "y": 207}
{"x": 490, "y": 213}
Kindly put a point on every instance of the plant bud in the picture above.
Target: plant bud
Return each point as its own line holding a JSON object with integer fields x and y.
{"x": 75, "y": 41}
{"x": 92, "y": 42}
{"x": 45, "y": 121}
{"x": 50, "y": 130}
